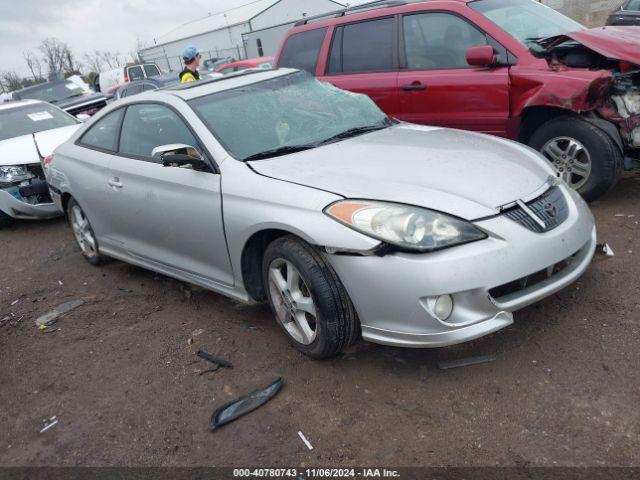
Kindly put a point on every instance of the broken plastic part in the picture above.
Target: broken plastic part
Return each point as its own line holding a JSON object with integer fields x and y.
{"x": 215, "y": 360}
{"x": 246, "y": 404}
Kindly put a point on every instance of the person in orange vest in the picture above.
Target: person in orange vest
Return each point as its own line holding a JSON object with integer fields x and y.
{"x": 191, "y": 57}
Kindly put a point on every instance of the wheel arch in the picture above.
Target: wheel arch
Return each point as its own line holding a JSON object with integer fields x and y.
{"x": 252, "y": 257}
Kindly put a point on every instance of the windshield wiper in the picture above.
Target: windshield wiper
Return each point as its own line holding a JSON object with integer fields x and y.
{"x": 276, "y": 152}
{"x": 354, "y": 132}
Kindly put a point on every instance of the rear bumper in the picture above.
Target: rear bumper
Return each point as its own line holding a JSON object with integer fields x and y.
{"x": 13, "y": 207}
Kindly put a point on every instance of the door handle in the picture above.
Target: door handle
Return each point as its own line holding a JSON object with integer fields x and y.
{"x": 415, "y": 86}
{"x": 115, "y": 183}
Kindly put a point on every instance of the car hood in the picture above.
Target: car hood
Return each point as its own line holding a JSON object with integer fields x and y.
{"x": 618, "y": 43}
{"x": 22, "y": 150}
{"x": 465, "y": 174}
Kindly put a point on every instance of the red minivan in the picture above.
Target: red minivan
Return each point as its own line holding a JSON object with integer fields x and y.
{"x": 512, "y": 68}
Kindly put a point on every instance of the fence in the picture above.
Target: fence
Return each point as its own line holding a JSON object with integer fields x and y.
{"x": 174, "y": 62}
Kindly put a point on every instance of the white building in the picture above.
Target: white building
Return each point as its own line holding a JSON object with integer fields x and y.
{"x": 221, "y": 35}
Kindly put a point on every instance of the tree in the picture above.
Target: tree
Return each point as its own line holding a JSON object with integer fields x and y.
{"x": 34, "y": 64}
{"x": 57, "y": 57}
{"x": 11, "y": 81}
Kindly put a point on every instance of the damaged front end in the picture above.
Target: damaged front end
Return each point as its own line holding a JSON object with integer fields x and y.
{"x": 617, "y": 97}
{"x": 24, "y": 193}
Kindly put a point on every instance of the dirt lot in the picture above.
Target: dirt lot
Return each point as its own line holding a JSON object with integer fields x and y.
{"x": 564, "y": 388}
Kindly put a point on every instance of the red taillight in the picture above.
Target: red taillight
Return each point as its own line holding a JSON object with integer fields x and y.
{"x": 48, "y": 160}
{"x": 126, "y": 77}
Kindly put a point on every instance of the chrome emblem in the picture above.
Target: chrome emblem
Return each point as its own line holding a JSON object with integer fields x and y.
{"x": 551, "y": 210}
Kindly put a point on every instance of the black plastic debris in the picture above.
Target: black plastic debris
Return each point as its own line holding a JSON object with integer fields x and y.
{"x": 465, "y": 362}
{"x": 246, "y": 404}
{"x": 221, "y": 362}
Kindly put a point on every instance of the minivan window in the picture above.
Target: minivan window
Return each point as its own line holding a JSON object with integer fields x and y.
{"x": 285, "y": 114}
{"x": 104, "y": 134}
{"x": 363, "y": 47}
{"x": 439, "y": 41}
{"x": 147, "y": 126}
{"x": 135, "y": 73}
{"x": 151, "y": 71}
{"x": 302, "y": 49}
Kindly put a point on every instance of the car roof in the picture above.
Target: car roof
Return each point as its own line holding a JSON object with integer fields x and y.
{"x": 18, "y": 103}
{"x": 373, "y": 8}
{"x": 201, "y": 88}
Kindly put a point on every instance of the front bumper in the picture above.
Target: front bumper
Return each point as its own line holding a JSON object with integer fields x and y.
{"x": 15, "y": 208}
{"x": 394, "y": 295}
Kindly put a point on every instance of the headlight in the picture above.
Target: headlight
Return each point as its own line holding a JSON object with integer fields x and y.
{"x": 14, "y": 173}
{"x": 408, "y": 227}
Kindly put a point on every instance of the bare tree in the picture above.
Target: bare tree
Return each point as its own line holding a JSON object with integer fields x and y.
{"x": 34, "y": 64}
{"x": 57, "y": 57}
{"x": 93, "y": 61}
{"x": 11, "y": 81}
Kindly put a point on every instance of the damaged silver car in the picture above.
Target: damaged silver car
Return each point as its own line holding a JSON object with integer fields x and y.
{"x": 272, "y": 186}
{"x": 29, "y": 131}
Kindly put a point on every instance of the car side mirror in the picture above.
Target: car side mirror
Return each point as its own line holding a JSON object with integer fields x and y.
{"x": 481, "y": 56}
{"x": 180, "y": 156}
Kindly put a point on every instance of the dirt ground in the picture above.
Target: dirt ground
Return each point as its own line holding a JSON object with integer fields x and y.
{"x": 123, "y": 381}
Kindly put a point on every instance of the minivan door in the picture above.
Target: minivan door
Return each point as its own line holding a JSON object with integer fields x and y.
{"x": 363, "y": 59}
{"x": 167, "y": 216}
{"x": 438, "y": 87}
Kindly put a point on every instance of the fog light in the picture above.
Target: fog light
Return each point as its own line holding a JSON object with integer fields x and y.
{"x": 443, "y": 307}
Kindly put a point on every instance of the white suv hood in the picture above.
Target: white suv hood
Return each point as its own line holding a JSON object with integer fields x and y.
{"x": 22, "y": 150}
{"x": 465, "y": 174}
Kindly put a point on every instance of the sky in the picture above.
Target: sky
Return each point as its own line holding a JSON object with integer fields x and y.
{"x": 86, "y": 25}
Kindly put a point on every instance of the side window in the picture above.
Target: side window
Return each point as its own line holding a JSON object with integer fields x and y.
{"x": 439, "y": 41}
{"x": 133, "y": 89}
{"x": 227, "y": 71}
{"x": 363, "y": 47}
{"x": 104, "y": 134}
{"x": 302, "y": 49}
{"x": 147, "y": 126}
{"x": 146, "y": 86}
{"x": 135, "y": 73}
{"x": 151, "y": 70}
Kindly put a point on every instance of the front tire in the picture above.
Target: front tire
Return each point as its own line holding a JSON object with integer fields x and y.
{"x": 582, "y": 154}
{"x": 308, "y": 299}
{"x": 83, "y": 233}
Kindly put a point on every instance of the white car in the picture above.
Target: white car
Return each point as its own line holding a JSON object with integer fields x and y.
{"x": 30, "y": 131}
{"x": 110, "y": 80}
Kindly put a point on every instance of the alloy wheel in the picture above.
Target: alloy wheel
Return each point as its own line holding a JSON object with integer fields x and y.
{"x": 571, "y": 160}
{"x": 292, "y": 301}
{"x": 82, "y": 231}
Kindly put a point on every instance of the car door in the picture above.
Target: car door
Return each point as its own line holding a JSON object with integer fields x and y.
{"x": 167, "y": 216}
{"x": 436, "y": 84}
{"x": 363, "y": 59}
{"x": 89, "y": 174}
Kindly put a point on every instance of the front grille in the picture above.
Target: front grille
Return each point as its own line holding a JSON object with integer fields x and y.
{"x": 551, "y": 208}
{"x": 531, "y": 280}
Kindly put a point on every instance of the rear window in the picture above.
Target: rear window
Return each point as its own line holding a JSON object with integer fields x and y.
{"x": 151, "y": 70}
{"x": 135, "y": 73}
{"x": 301, "y": 50}
{"x": 363, "y": 47}
{"x": 15, "y": 122}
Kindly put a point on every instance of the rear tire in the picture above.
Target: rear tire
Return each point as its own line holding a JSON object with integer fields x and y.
{"x": 581, "y": 153}
{"x": 83, "y": 233}
{"x": 297, "y": 281}
{"x": 5, "y": 220}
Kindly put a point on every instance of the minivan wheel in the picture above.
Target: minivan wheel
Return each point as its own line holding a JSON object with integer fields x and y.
{"x": 83, "y": 233}
{"x": 308, "y": 299}
{"x": 5, "y": 220}
{"x": 582, "y": 154}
